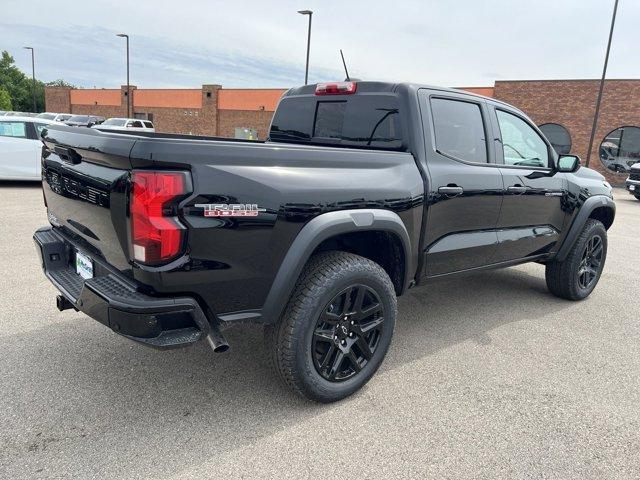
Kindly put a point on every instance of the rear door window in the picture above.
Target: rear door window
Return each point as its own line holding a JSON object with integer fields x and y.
{"x": 459, "y": 129}
{"x": 13, "y": 129}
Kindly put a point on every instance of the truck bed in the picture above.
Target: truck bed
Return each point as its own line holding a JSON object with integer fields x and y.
{"x": 231, "y": 263}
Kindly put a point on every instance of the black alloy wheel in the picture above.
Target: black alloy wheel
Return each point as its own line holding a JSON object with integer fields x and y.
{"x": 336, "y": 328}
{"x": 575, "y": 277}
{"x": 347, "y": 333}
{"x": 591, "y": 262}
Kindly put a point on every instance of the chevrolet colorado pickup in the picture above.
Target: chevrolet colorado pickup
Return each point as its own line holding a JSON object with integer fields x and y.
{"x": 362, "y": 191}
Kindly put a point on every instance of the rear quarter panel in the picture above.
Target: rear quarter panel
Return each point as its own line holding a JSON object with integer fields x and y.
{"x": 233, "y": 261}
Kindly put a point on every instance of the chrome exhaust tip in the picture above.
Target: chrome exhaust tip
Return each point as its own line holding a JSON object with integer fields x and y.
{"x": 216, "y": 340}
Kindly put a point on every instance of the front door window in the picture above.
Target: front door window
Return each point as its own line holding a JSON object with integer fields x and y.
{"x": 521, "y": 144}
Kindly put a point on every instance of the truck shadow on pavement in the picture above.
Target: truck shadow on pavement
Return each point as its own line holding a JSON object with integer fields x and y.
{"x": 79, "y": 390}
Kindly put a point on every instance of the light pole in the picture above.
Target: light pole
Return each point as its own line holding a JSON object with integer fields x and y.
{"x": 33, "y": 76}
{"x": 128, "y": 90}
{"x": 604, "y": 74}
{"x": 306, "y": 71}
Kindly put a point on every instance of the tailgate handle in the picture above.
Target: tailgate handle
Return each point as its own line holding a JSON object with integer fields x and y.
{"x": 517, "y": 189}
{"x": 451, "y": 190}
{"x": 68, "y": 155}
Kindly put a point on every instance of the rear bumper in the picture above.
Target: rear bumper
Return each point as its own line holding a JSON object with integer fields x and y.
{"x": 116, "y": 301}
{"x": 633, "y": 186}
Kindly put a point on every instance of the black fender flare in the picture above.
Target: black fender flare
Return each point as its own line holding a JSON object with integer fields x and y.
{"x": 596, "y": 201}
{"x": 320, "y": 228}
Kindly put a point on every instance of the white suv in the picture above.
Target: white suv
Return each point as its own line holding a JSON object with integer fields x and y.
{"x": 56, "y": 117}
{"x": 21, "y": 147}
{"x": 129, "y": 124}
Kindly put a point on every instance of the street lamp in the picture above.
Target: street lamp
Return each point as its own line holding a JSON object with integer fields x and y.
{"x": 601, "y": 88}
{"x": 33, "y": 75}
{"x": 128, "y": 91}
{"x": 306, "y": 71}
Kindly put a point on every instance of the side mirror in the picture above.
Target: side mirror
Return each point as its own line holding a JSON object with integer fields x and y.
{"x": 568, "y": 163}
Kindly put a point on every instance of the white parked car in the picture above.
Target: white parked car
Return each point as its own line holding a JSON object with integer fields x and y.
{"x": 129, "y": 124}
{"x": 21, "y": 147}
{"x": 56, "y": 117}
{"x": 19, "y": 114}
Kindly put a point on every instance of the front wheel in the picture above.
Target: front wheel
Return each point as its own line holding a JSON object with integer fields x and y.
{"x": 577, "y": 276}
{"x": 336, "y": 328}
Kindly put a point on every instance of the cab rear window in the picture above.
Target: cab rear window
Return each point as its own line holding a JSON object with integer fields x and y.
{"x": 357, "y": 121}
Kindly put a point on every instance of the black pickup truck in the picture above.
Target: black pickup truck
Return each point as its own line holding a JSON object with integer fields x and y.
{"x": 362, "y": 191}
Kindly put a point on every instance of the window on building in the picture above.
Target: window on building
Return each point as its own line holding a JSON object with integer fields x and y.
{"x": 459, "y": 129}
{"x": 521, "y": 144}
{"x": 558, "y": 136}
{"x": 13, "y": 129}
{"x": 620, "y": 149}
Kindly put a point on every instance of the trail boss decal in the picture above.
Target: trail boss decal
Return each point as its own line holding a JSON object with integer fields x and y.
{"x": 230, "y": 209}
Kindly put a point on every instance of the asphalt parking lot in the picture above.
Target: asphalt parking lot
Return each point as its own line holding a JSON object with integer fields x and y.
{"x": 488, "y": 377}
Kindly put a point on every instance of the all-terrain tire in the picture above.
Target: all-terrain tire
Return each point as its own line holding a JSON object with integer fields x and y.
{"x": 564, "y": 278}
{"x": 291, "y": 340}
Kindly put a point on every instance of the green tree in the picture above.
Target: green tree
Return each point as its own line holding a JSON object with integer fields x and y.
{"x": 20, "y": 86}
{"x": 13, "y": 81}
{"x": 5, "y": 99}
{"x": 60, "y": 83}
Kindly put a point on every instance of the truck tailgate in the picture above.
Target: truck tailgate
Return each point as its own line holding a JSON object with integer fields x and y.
{"x": 85, "y": 181}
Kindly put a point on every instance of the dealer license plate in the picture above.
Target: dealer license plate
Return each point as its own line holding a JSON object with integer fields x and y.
{"x": 84, "y": 266}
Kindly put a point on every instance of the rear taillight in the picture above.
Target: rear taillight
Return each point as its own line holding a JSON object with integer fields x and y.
{"x": 336, "y": 88}
{"x": 156, "y": 234}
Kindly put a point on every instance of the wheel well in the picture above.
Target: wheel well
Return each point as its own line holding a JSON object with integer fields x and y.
{"x": 382, "y": 247}
{"x": 603, "y": 214}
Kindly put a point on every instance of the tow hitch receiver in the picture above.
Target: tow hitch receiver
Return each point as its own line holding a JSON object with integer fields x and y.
{"x": 63, "y": 304}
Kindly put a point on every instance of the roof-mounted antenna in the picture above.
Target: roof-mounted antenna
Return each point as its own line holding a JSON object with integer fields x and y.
{"x": 345, "y": 66}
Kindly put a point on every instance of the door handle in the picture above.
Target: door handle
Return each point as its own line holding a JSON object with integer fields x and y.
{"x": 517, "y": 189}
{"x": 451, "y": 190}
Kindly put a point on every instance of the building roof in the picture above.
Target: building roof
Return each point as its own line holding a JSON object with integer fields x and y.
{"x": 484, "y": 91}
{"x": 168, "y": 98}
{"x": 93, "y": 96}
{"x": 249, "y": 99}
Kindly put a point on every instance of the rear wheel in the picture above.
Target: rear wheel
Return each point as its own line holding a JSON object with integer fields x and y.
{"x": 577, "y": 276}
{"x": 637, "y": 196}
{"x": 336, "y": 329}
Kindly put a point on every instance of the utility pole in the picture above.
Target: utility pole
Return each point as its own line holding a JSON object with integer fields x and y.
{"x": 306, "y": 71}
{"x": 33, "y": 76}
{"x": 124, "y": 35}
{"x": 604, "y": 74}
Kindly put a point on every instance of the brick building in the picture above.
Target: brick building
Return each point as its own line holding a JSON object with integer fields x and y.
{"x": 563, "y": 108}
{"x": 210, "y": 110}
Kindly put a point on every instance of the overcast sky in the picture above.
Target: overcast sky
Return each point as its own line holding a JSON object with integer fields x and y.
{"x": 261, "y": 43}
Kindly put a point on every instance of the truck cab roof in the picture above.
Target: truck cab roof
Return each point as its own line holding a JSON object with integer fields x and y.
{"x": 357, "y": 114}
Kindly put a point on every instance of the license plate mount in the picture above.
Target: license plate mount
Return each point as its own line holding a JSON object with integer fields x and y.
{"x": 84, "y": 265}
